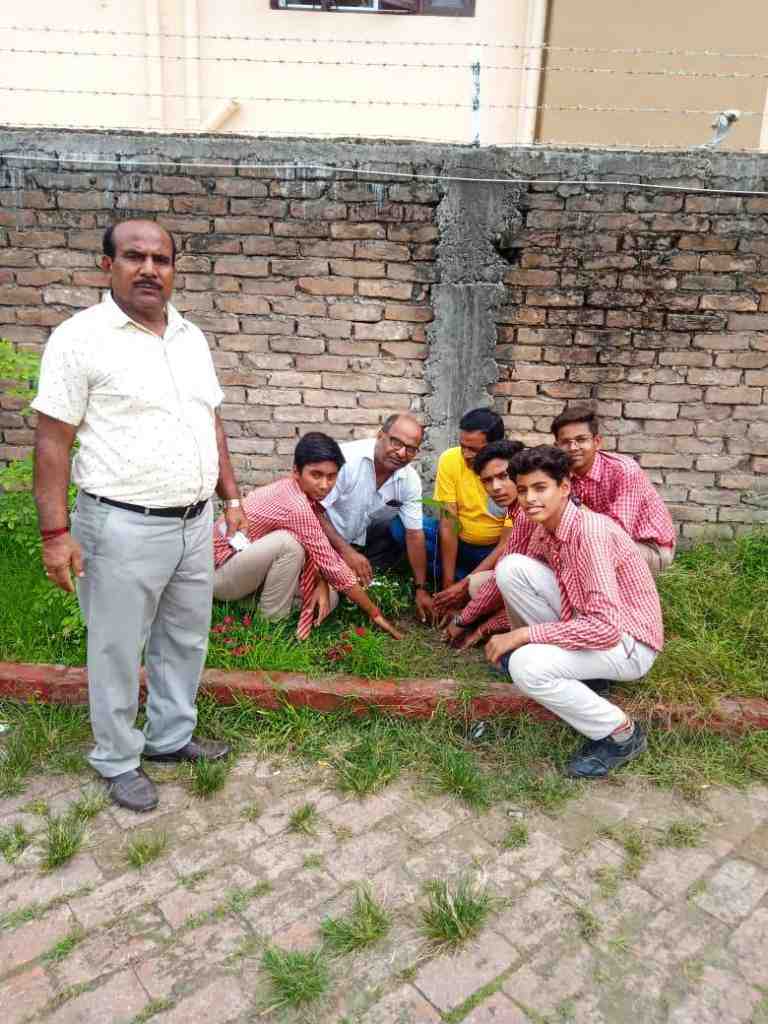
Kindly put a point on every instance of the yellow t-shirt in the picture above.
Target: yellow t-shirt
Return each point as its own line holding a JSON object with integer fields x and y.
{"x": 480, "y": 518}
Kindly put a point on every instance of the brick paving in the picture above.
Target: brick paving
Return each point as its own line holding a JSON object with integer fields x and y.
{"x": 680, "y": 938}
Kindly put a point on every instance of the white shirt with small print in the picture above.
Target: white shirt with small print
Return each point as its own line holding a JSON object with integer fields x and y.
{"x": 144, "y": 406}
{"x": 355, "y": 503}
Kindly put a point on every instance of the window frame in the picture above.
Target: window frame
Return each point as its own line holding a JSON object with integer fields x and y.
{"x": 467, "y": 11}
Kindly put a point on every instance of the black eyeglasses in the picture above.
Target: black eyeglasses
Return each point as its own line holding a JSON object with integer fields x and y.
{"x": 397, "y": 445}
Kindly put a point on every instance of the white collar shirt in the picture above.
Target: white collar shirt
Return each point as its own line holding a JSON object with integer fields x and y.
{"x": 355, "y": 502}
{"x": 144, "y": 406}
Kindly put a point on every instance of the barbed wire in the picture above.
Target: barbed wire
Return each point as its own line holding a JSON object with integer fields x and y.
{"x": 332, "y": 40}
{"x": 302, "y": 166}
{"x": 578, "y": 107}
{"x": 344, "y": 64}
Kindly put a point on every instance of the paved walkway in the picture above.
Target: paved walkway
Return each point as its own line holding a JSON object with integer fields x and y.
{"x": 575, "y": 937}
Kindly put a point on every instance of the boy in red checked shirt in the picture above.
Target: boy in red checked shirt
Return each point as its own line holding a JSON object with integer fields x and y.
{"x": 615, "y": 486}
{"x": 589, "y": 607}
{"x": 286, "y": 549}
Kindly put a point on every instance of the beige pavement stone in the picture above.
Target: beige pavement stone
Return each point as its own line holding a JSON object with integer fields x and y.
{"x": 576, "y": 874}
{"x": 735, "y": 888}
{"x": 360, "y": 815}
{"x": 358, "y": 859}
{"x": 290, "y": 901}
{"x": 450, "y": 979}
{"x": 404, "y": 1006}
{"x": 719, "y": 997}
{"x": 196, "y": 953}
{"x": 670, "y": 873}
{"x": 182, "y": 903}
{"x": 117, "y": 1001}
{"x": 497, "y": 1009}
{"x": 539, "y": 916}
{"x": 750, "y": 937}
{"x": 24, "y": 994}
{"x": 19, "y": 945}
{"x": 735, "y": 819}
{"x": 755, "y": 847}
{"x": 218, "y": 1002}
{"x": 31, "y": 886}
{"x": 276, "y": 814}
{"x": 429, "y": 818}
{"x": 554, "y": 975}
{"x": 454, "y": 853}
{"x": 677, "y": 933}
{"x": 107, "y": 950}
{"x": 539, "y": 855}
{"x": 122, "y": 895}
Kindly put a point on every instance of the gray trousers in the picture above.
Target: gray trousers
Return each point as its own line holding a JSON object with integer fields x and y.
{"x": 148, "y": 587}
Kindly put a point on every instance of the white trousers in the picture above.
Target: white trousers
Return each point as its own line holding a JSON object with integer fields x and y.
{"x": 551, "y": 675}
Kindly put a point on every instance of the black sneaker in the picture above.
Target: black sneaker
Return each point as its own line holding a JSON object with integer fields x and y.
{"x": 598, "y": 757}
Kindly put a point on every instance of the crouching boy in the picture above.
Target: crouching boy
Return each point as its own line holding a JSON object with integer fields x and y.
{"x": 591, "y": 611}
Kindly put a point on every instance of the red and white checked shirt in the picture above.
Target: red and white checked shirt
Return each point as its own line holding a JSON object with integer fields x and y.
{"x": 617, "y": 487}
{"x": 284, "y": 506}
{"x": 606, "y": 588}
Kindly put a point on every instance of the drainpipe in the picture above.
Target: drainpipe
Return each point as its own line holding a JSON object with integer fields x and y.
{"x": 530, "y": 91}
{"x": 192, "y": 64}
{"x": 220, "y": 115}
{"x": 764, "y": 132}
{"x": 154, "y": 64}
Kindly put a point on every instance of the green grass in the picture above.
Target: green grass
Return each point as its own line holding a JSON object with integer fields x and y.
{"x": 64, "y": 946}
{"x": 41, "y": 737}
{"x": 251, "y": 812}
{"x": 608, "y": 881}
{"x": 682, "y": 833}
{"x": 455, "y": 912}
{"x": 589, "y": 926}
{"x": 367, "y": 922}
{"x": 297, "y": 978}
{"x": 516, "y": 836}
{"x": 313, "y": 861}
{"x": 146, "y": 847}
{"x": 304, "y": 819}
{"x": 457, "y": 771}
{"x": 368, "y": 765}
{"x": 208, "y": 777}
{"x": 633, "y": 842}
{"x": 63, "y": 838}
{"x": 90, "y": 803}
{"x": 13, "y": 841}
{"x": 153, "y": 1007}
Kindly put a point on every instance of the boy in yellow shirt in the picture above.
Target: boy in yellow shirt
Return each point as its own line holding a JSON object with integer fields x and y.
{"x": 453, "y": 555}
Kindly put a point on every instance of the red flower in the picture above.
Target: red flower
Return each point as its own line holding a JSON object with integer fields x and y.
{"x": 219, "y": 629}
{"x": 247, "y": 620}
{"x": 228, "y": 620}
{"x": 360, "y": 630}
{"x": 240, "y": 651}
{"x": 230, "y": 641}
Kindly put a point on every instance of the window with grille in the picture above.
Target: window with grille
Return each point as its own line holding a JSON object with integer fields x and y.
{"x": 446, "y": 8}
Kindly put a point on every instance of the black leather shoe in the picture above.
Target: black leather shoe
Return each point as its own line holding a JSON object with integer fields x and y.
{"x": 133, "y": 790}
{"x": 195, "y": 750}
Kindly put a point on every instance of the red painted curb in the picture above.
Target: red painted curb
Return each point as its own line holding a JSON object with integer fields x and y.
{"x": 413, "y": 698}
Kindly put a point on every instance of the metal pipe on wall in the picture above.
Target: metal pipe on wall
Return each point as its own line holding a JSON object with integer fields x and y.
{"x": 154, "y": 64}
{"x": 192, "y": 63}
{"x": 530, "y": 86}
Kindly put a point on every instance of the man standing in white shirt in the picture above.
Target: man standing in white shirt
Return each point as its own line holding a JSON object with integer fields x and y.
{"x": 134, "y": 382}
{"x": 376, "y": 506}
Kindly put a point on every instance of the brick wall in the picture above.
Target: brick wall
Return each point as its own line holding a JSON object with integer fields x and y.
{"x": 654, "y": 309}
{"x": 324, "y": 295}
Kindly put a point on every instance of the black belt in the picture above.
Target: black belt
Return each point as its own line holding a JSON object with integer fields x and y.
{"x": 177, "y": 512}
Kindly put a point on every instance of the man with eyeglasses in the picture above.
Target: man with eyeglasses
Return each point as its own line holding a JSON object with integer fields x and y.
{"x": 375, "y": 508}
{"x": 615, "y": 486}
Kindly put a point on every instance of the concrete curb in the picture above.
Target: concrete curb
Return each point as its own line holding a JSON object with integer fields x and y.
{"x": 412, "y": 698}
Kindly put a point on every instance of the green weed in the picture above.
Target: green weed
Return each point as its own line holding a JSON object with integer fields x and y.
{"x": 208, "y": 777}
{"x": 456, "y": 771}
{"x": 369, "y": 765}
{"x": 146, "y": 847}
{"x": 634, "y": 844}
{"x": 153, "y": 1007}
{"x": 682, "y": 833}
{"x": 63, "y": 838}
{"x": 607, "y": 879}
{"x": 313, "y": 861}
{"x": 297, "y": 978}
{"x": 64, "y": 946}
{"x": 455, "y": 913}
{"x": 90, "y": 803}
{"x": 304, "y": 819}
{"x": 251, "y": 812}
{"x": 516, "y": 836}
{"x": 589, "y": 926}
{"x": 367, "y": 922}
{"x": 13, "y": 841}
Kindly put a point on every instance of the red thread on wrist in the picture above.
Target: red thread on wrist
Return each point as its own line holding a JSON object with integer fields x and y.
{"x": 52, "y": 534}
